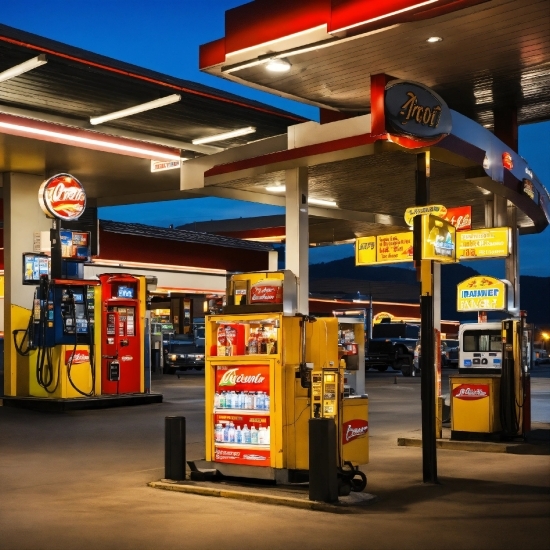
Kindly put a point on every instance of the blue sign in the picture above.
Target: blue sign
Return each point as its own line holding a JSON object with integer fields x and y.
{"x": 467, "y": 362}
{"x": 416, "y": 111}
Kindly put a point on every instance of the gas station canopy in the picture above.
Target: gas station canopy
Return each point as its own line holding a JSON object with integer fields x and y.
{"x": 488, "y": 60}
{"x": 45, "y": 123}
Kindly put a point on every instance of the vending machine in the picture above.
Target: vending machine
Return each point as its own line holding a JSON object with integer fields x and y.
{"x": 123, "y": 304}
{"x": 260, "y": 390}
{"x": 61, "y": 340}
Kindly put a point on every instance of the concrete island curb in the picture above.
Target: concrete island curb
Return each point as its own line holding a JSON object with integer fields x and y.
{"x": 479, "y": 446}
{"x": 262, "y": 498}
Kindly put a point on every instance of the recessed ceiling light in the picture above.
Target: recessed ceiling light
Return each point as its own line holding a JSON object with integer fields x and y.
{"x": 225, "y": 135}
{"x": 278, "y": 65}
{"x": 433, "y": 39}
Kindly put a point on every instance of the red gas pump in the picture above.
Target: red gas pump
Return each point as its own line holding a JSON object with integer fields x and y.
{"x": 121, "y": 342}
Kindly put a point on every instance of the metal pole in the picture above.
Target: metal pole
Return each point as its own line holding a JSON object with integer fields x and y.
{"x": 56, "y": 254}
{"x": 427, "y": 340}
{"x": 427, "y": 391}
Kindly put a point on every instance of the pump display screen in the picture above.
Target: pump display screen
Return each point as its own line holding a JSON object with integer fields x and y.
{"x": 125, "y": 292}
{"x": 35, "y": 265}
{"x": 78, "y": 297}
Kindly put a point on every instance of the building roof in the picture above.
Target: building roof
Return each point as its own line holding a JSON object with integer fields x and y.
{"x": 181, "y": 235}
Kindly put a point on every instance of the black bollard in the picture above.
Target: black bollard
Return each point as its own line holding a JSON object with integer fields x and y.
{"x": 174, "y": 448}
{"x": 323, "y": 475}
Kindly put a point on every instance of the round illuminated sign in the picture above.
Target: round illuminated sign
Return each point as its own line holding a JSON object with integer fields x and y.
{"x": 63, "y": 197}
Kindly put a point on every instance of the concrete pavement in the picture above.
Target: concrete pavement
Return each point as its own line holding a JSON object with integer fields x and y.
{"x": 78, "y": 480}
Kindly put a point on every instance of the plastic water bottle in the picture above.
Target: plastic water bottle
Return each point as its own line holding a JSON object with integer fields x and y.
{"x": 232, "y": 399}
{"x": 248, "y": 400}
{"x": 216, "y": 400}
{"x": 226, "y": 434}
{"x": 253, "y": 435}
{"x": 260, "y": 401}
{"x": 221, "y": 404}
{"x": 261, "y": 436}
{"x": 238, "y": 435}
{"x": 240, "y": 397}
{"x": 219, "y": 433}
{"x": 246, "y": 435}
{"x": 267, "y": 402}
{"x": 231, "y": 434}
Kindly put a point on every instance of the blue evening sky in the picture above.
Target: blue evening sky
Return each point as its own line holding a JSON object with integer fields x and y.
{"x": 164, "y": 35}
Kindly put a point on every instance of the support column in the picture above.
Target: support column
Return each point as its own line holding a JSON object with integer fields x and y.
{"x": 512, "y": 261}
{"x": 427, "y": 341}
{"x": 297, "y": 233}
{"x": 22, "y": 217}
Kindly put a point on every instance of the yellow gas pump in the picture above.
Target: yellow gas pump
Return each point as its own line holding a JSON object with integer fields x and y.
{"x": 492, "y": 403}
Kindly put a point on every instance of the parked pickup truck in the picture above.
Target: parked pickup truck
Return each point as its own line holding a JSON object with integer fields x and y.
{"x": 392, "y": 344}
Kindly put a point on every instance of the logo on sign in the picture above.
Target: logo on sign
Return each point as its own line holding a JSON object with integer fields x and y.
{"x": 231, "y": 378}
{"x": 266, "y": 293}
{"x": 354, "y": 429}
{"x": 126, "y": 358}
{"x": 255, "y": 457}
{"x": 471, "y": 392}
{"x": 62, "y": 197}
{"x": 415, "y": 110}
{"x": 79, "y": 357}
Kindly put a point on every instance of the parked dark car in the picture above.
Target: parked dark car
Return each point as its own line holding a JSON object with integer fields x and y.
{"x": 183, "y": 356}
{"x": 449, "y": 353}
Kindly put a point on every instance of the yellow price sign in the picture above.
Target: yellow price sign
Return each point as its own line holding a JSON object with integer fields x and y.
{"x": 483, "y": 243}
{"x": 384, "y": 249}
{"x": 481, "y": 293}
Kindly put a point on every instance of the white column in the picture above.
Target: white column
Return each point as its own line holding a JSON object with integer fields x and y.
{"x": 297, "y": 233}
{"x": 512, "y": 261}
{"x": 273, "y": 260}
{"x": 22, "y": 217}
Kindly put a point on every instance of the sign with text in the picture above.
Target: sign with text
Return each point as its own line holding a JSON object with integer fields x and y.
{"x": 460, "y": 217}
{"x": 483, "y": 243}
{"x": 161, "y": 165}
{"x": 417, "y": 112}
{"x": 481, "y": 293}
{"x": 438, "y": 239}
{"x": 384, "y": 249}
{"x": 435, "y": 209}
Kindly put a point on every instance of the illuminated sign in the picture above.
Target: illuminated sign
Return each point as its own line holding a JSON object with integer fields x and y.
{"x": 62, "y": 197}
{"x": 436, "y": 209}
{"x": 438, "y": 239}
{"x": 416, "y": 111}
{"x": 384, "y": 249}
{"x": 460, "y": 217}
{"x": 382, "y": 315}
{"x": 483, "y": 243}
{"x": 481, "y": 293}
{"x": 161, "y": 165}
{"x": 528, "y": 189}
{"x": 507, "y": 161}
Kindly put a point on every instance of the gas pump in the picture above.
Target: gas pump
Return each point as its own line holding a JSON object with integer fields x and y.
{"x": 122, "y": 334}
{"x": 494, "y": 404}
{"x": 62, "y": 332}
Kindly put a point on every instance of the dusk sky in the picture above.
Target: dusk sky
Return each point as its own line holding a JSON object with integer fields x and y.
{"x": 164, "y": 35}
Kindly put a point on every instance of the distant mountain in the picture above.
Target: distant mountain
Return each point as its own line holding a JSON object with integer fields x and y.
{"x": 343, "y": 278}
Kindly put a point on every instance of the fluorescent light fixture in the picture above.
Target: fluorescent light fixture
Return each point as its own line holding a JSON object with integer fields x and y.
{"x": 278, "y": 65}
{"x": 23, "y": 67}
{"x": 168, "y": 100}
{"x": 140, "y": 151}
{"x": 310, "y": 200}
{"x": 397, "y": 12}
{"x": 434, "y": 39}
{"x": 225, "y": 135}
{"x": 321, "y": 202}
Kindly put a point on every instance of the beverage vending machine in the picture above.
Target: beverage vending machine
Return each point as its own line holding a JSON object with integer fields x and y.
{"x": 123, "y": 301}
{"x": 258, "y": 387}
